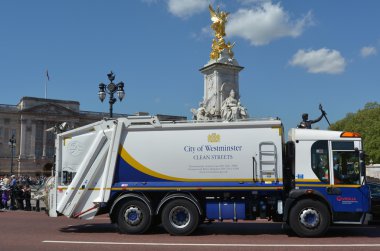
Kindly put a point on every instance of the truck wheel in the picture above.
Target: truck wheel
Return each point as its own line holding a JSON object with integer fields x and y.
{"x": 134, "y": 217}
{"x": 180, "y": 217}
{"x": 309, "y": 218}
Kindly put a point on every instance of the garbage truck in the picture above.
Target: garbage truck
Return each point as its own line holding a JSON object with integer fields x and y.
{"x": 142, "y": 172}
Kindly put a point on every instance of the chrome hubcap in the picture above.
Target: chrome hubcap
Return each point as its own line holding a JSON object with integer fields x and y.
{"x": 310, "y": 218}
{"x": 179, "y": 217}
{"x": 133, "y": 215}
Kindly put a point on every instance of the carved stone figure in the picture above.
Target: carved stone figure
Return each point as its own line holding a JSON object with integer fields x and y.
{"x": 232, "y": 109}
{"x": 242, "y": 111}
{"x": 229, "y": 107}
{"x": 201, "y": 114}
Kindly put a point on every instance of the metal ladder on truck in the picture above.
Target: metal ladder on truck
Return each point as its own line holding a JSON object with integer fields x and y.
{"x": 268, "y": 161}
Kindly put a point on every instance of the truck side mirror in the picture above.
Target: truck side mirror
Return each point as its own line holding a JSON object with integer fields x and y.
{"x": 362, "y": 157}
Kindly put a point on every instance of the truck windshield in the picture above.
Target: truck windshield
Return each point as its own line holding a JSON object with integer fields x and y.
{"x": 345, "y": 162}
{"x": 346, "y": 167}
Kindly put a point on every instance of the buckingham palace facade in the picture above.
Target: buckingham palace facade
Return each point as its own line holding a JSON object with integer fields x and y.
{"x": 27, "y": 122}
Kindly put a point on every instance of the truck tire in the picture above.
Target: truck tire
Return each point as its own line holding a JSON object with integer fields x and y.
{"x": 133, "y": 217}
{"x": 180, "y": 217}
{"x": 287, "y": 229}
{"x": 309, "y": 218}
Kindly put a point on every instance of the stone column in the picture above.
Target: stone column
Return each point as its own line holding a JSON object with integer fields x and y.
{"x": 23, "y": 136}
{"x": 44, "y": 141}
{"x": 22, "y": 143}
{"x": 33, "y": 140}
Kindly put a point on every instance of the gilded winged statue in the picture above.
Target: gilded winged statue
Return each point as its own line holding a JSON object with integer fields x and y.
{"x": 219, "y": 20}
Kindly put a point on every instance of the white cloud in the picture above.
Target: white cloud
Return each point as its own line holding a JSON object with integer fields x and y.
{"x": 368, "y": 51}
{"x": 320, "y": 61}
{"x": 265, "y": 22}
{"x": 250, "y": 2}
{"x": 187, "y": 8}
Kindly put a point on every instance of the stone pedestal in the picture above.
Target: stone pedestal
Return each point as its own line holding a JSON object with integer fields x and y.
{"x": 220, "y": 77}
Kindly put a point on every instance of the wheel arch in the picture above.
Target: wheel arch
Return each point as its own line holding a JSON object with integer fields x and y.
{"x": 302, "y": 194}
{"x": 187, "y": 196}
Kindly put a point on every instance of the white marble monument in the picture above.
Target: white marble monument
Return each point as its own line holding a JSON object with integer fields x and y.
{"x": 221, "y": 98}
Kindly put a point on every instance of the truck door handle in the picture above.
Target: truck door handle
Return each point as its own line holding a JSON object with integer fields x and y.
{"x": 333, "y": 191}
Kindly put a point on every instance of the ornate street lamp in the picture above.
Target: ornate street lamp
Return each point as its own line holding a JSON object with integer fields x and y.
{"x": 12, "y": 145}
{"x": 111, "y": 88}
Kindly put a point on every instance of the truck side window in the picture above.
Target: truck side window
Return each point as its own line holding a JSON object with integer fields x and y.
{"x": 320, "y": 160}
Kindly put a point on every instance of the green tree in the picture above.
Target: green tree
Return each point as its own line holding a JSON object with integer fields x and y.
{"x": 367, "y": 123}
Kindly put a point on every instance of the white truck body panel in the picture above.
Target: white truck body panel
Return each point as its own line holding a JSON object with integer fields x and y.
{"x": 187, "y": 155}
{"x": 175, "y": 152}
{"x": 82, "y": 152}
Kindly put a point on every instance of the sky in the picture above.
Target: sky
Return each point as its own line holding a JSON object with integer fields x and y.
{"x": 295, "y": 54}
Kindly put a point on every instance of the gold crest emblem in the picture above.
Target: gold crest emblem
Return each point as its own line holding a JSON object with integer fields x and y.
{"x": 214, "y": 138}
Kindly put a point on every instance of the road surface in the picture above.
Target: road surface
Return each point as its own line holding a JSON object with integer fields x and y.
{"x": 36, "y": 231}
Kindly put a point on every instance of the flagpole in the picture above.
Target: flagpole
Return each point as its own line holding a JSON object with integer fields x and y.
{"x": 46, "y": 82}
{"x": 46, "y": 88}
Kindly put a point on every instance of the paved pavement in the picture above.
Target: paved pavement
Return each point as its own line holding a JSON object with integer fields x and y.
{"x": 36, "y": 231}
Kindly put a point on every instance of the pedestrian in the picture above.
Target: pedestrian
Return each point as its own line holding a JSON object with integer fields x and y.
{"x": 38, "y": 205}
{"x": 1, "y": 201}
{"x": 19, "y": 197}
{"x": 13, "y": 189}
{"x": 5, "y": 196}
{"x": 6, "y": 180}
{"x": 1, "y": 192}
{"x": 27, "y": 196}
